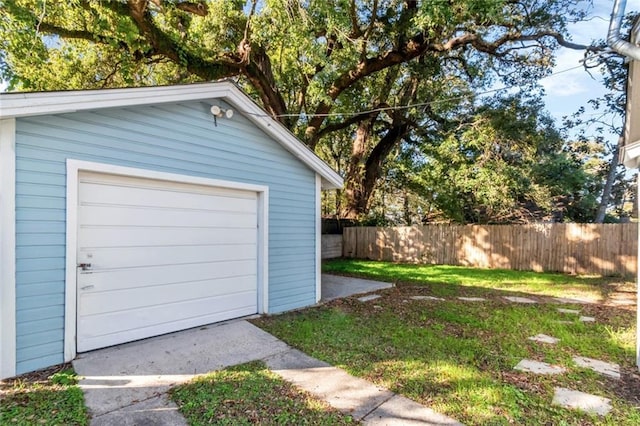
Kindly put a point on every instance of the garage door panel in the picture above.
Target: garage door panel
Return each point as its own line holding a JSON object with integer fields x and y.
{"x": 140, "y": 217}
{"x": 94, "y": 194}
{"x": 108, "y": 329}
{"x": 164, "y": 256}
{"x": 137, "y": 237}
{"x": 97, "y": 303}
{"x": 88, "y": 178}
{"x": 118, "y": 279}
{"x": 125, "y": 257}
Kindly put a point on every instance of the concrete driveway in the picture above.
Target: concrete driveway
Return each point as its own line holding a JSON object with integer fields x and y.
{"x": 127, "y": 385}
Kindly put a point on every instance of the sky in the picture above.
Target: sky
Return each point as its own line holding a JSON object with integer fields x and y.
{"x": 568, "y": 91}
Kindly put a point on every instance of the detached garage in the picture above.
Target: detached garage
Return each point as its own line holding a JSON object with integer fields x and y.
{"x": 130, "y": 213}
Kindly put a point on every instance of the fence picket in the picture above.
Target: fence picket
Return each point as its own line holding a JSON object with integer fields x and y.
{"x": 560, "y": 247}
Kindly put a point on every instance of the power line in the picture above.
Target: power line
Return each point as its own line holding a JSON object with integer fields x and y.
{"x": 416, "y": 105}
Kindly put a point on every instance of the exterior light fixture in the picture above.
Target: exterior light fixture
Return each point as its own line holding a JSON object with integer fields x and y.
{"x": 219, "y": 112}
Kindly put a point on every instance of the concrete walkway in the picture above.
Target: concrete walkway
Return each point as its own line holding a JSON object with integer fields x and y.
{"x": 127, "y": 384}
{"x": 337, "y": 286}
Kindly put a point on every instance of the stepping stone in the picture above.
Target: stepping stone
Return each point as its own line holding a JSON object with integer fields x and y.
{"x": 569, "y": 311}
{"x": 623, "y": 302}
{"x": 426, "y": 298}
{"x": 568, "y": 398}
{"x": 606, "y": 368}
{"x": 473, "y": 299}
{"x": 563, "y": 322}
{"x": 587, "y": 319}
{"x": 517, "y": 299}
{"x": 569, "y": 300}
{"x": 543, "y": 338}
{"x": 538, "y": 367}
{"x": 369, "y": 297}
{"x": 402, "y": 411}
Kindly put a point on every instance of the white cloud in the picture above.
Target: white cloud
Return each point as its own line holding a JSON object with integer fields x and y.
{"x": 569, "y": 77}
{"x": 566, "y": 91}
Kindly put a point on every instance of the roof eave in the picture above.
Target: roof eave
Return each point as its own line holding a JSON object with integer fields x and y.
{"x": 15, "y": 105}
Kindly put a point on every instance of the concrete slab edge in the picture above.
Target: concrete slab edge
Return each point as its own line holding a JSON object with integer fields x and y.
{"x": 373, "y": 405}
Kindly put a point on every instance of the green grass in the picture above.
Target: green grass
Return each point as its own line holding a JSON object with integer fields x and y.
{"x": 458, "y": 357}
{"x": 249, "y": 394}
{"x": 547, "y": 284}
{"x": 48, "y": 397}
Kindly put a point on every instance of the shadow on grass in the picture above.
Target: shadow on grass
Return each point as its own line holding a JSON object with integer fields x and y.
{"x": 549, "y": 284}
{"x": 250, "y": 394}
{"x": 458, "y": 357}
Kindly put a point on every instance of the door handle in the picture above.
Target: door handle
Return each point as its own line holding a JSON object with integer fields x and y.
{"x": 84, "y": 266}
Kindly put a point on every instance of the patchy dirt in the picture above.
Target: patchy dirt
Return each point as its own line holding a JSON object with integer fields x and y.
{"x": 39, "y": 376}
{"x": 397, "y": 300}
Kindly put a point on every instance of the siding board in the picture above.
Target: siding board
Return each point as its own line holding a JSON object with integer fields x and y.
{"x": 38, "y": 362}
{"x": 39, "y": 202}
{"x": 176, "y": 138}
{"x": 49, "y": 324}
{"x": 36, "y": 314}
{"x": 36, "y": 339}
{"x": 25, "y": 265}
{"x": 38, "y": 289}
{"x": 42, "y": 300}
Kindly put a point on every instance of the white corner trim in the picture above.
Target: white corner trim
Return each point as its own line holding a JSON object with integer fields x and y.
{"x": 7, "y": 248}
{"x": 318, "y": 218}
{"x": 73, "y": 169}
{"x": 70, "y": 288}
{"x": 263, "y": 251}
{"x": 638, "y": 290}
{"x": 41, "y": 103}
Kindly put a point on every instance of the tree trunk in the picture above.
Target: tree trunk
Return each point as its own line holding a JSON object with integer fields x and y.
{"x": 356, "y": 201}
{"x": 362, "y": 174}
{"x": 608, "y": 185}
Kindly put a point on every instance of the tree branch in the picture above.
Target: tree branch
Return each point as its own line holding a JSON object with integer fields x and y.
{"x": 348, "y": 122}
{"x": 69, "y": 33}
{"x": 198, "y": 8}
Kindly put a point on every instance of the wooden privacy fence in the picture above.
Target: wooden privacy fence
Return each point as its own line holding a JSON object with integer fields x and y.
{"x": 331, "y": 246}
{"x": 605, "y": 249}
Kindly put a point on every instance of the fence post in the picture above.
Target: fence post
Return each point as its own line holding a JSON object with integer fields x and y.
{"x": 551, "y": 247}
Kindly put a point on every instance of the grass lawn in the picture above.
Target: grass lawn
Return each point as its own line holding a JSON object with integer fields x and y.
{"x": 47, "y": 397}
{"x": 249, "y": 394}
{"x": 458, "y": 357}
{"x": 438, "y": 276}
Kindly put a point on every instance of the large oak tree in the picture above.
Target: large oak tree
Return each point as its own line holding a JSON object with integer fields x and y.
{"x": 368, "y": 75}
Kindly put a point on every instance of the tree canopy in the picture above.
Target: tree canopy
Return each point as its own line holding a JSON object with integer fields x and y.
{"x": 356, "y": 80}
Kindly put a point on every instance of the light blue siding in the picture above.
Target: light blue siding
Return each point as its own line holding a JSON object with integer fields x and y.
{"x": 177, "y": 138}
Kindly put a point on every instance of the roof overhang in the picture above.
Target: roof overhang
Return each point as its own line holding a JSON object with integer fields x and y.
{"x": 15, "y": 105}
{"x": 630, "y": 155}
{"x": 630, "y": 150}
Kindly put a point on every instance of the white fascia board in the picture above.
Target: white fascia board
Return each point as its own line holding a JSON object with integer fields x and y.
{"x": 14, "y": 105}
{"x": 331, "y": 179}
{"x": 41, "y": 103}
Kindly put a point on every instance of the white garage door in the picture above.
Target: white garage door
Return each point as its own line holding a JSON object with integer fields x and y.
{"x": 160, "y": 257}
